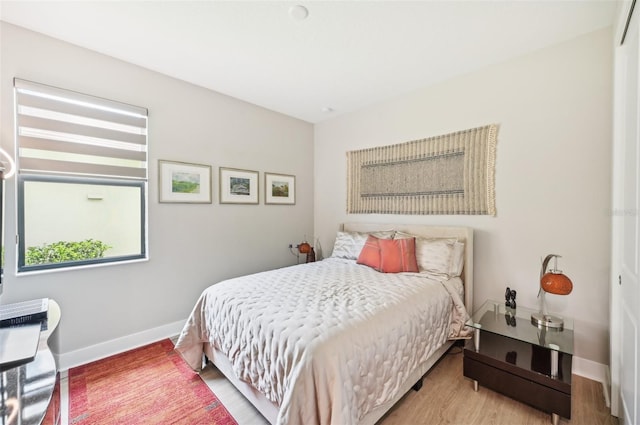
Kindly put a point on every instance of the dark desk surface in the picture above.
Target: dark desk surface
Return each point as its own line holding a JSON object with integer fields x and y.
{"x": 26, "y": 390}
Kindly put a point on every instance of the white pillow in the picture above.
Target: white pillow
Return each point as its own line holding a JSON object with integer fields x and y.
{"x": 438, "y": 256}
{"x": 349, "y": 244}
{"x": 457, "y": 259}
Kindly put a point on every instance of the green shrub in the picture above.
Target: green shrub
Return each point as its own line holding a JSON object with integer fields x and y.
{"x": 60, "y": 252}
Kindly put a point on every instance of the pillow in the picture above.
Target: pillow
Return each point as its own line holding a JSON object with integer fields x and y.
{"x": 349, "y": 244}
{"x": 434, "y": 256}
{"x": 370, "y": 254}
{"x": 398, "y": 255}
{"x": 457, "y": 259}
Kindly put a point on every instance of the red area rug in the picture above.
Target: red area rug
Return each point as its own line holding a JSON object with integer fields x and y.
{"x": 147, "y": 385}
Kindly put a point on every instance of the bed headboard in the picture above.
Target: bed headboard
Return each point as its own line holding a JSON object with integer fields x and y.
{"x": 463, "y": 234}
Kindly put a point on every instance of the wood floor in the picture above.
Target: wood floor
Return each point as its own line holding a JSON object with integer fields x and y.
{"x": 448, "y": 398}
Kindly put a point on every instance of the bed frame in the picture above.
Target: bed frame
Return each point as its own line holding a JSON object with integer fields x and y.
{"x": 464, "y": 234}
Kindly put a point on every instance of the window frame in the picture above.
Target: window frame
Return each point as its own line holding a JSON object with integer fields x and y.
{"x": 22, "y": 268}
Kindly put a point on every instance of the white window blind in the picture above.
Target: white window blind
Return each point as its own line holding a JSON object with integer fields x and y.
{"x": 68, "y": 133}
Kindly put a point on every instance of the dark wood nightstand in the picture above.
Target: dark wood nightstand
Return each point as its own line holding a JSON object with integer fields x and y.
{"x": 514, "y": 357}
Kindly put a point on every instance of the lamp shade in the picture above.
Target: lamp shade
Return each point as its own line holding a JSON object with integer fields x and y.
{"x": 304, "y": 248}
{"x": 553, "y": 282}
{"x": 556, "y": 283}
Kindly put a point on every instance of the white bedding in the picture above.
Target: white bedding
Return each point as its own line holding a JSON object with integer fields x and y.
{"x": 326, "y": 341}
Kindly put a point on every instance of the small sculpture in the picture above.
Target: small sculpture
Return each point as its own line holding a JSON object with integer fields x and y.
{"x": 510, "y": 297}
{"x": 311, "y": 255}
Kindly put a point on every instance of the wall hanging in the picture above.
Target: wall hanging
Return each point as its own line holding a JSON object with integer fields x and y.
{"x": 448, "y": 174}
{"x": 238, "y": 186}
{"x": 182, "y": 182}
{"x": 279, "y": 189}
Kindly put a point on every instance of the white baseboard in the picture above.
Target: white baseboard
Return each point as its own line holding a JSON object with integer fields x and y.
{"x": 118, "y": 345}
{"x": 594, "y": 371}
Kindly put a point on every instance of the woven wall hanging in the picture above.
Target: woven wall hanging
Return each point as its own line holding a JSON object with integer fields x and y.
{"x": 449, "y": 174}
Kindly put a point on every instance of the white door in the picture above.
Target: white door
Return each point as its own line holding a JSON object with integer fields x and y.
{"x": 628, "y": 226}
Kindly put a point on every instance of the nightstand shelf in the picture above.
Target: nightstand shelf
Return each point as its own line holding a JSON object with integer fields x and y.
{"x": 512, "y": 356}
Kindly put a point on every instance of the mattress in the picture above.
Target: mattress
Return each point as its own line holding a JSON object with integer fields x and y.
{"x": 329, "y": 341}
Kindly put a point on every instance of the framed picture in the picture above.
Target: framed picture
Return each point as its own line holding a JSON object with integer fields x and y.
{"x": 238, "y": 186}
{"x": 279, "y": 189}
{"x": 181, "y": 182}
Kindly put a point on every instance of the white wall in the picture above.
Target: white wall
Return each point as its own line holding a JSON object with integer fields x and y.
{"x": 553, "y": 173}
{"x": 552, "y": 182}
{"x": 191, "y": 246}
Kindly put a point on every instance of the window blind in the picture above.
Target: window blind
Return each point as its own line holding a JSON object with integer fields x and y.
{"x": 68, "y": 133}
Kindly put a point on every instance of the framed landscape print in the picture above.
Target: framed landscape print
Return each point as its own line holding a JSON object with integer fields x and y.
{"x": 181, "y": 182}
{"x": 238, "y": 186}
{"x": 279, "y": 189}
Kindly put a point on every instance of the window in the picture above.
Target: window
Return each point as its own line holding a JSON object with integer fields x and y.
{"x": 82, "y": 179}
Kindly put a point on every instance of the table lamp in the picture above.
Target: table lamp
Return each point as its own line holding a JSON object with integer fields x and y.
{"x": 553, "y": 282}
{"x": 305, "y": 248}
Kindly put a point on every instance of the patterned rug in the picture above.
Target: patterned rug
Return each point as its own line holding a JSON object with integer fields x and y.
{"x": 147, "y": 385}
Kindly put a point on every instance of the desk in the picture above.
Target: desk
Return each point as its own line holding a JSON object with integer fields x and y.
{"x": 32, "y": 390}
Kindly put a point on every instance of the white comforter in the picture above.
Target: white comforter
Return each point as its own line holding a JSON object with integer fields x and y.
{"x": 326, "y": 341}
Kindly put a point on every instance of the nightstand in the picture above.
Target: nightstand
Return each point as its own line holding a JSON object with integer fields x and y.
{"x": 512, "y": 356}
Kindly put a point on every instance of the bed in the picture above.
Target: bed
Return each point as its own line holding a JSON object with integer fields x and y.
{"x": 333, "y": 342}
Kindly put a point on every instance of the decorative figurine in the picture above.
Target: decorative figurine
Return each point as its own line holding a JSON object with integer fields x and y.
{"x": 510, "y": 297}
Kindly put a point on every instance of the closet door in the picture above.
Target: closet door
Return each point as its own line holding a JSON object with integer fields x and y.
{"x": 625, "y": 320}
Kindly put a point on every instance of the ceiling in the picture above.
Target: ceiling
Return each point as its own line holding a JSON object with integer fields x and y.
{"x": 344, "y": 56}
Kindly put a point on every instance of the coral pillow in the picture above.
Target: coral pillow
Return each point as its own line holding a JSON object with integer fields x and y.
{"x": 398, "y": 255}
{"x": 370, "y": 254}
